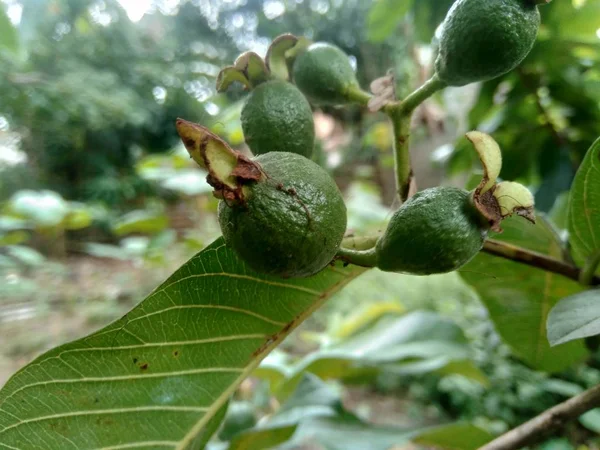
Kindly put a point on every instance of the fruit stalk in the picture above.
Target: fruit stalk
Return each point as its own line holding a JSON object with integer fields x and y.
{"x": 400, "y": 113}
{"x": 361, "y": 258}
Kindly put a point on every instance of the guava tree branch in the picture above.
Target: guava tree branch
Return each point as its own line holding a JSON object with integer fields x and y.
{"x": 400, "y": 113}
{"x": 538, "y": 260}
{"x": 548, "y": 422}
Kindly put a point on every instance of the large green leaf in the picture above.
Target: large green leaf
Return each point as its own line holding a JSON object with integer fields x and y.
{"x": 584, "y": 207}
{"x": 159, "y": 377}
{"x": 519, "y": 297}
{"x": 575, "y": 317}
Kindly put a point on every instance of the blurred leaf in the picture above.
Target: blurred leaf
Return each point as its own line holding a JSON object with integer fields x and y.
{"x": 575, "y": 317}
{"x": 261, "y": 439}
{"x": 106, "y": 251}
{"x": 43, "y": 208}
{"x": 419, "y": 342}
{"x": 584, "y": 207}
{"x": 13, "y": 238}
{"x": 240, "y": 417}
{"x": 428, "y": 15}
{"x": 8, "y": 33}
{"x": 188, "y": 182}
{"x": 346, "y": 433}
{"x": 385, "y": 16}
{"x": 591, "y": 420}
{"x": 458, "y": 436}
{"x": 557, "y": 444}
{"x": 8, "y": 223}
{"x": 519, "y": 297}
{"x": 365, "y": 316}
{"x": 164, "y": 371}
{"x": 25, "y": 255}
{"x": 559, "y": 214}
{"x": 140, "y": 221}
{"x": 78, "y": 218}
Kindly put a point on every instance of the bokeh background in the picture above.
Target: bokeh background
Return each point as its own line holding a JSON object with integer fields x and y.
{"x": 99, "y": 201}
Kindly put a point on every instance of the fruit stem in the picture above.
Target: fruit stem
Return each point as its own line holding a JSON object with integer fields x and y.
{"x": 410, "y": 103}
{"x": 589, "y": 270}
{"x": 402, "y": 165}
{"x": 355, "y": 94}
{"x": 400, "y": 113}
{"x": 361, "y": 258}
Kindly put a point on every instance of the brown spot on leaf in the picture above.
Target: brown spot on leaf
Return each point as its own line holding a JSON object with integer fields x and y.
{"x": 176, "y": 353}
{"x": 144, "y": 366}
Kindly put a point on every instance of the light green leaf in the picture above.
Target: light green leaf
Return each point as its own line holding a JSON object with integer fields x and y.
{"x": 458, "y": 436}
{"x": 384, "y": 17}
{"x": 163, "y": 372}
{"x": 591, "y": 420}
{"x": 584, "y": 207}
{"x": 260, "y": 439}
{"x": 519, "y": 297}
{"x": 575, "y": 317}
{"x": 140, "y": 221}
{"x": 43, "y": 208}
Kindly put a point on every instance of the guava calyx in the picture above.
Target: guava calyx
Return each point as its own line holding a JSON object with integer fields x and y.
{"x": 250, "y": 70}
{"x": 497, "y": 201}
{"x": 229, "y": 171}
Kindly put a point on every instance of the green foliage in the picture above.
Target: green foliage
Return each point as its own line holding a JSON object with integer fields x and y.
{"x": 519, "y": 298}
{"x": 245, "y": 325}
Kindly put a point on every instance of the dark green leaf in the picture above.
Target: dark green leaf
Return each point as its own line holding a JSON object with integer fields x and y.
{"x": 164, "y": 371}
{"x": 575, "y": 317}
{"x": 260, "y": 439}
{"x": 519, "y": 297}
{"x": 458, "y": 436}
{"x": 584, "y": 207}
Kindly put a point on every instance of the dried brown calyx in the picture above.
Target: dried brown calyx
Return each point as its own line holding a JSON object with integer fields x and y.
{"x": 497, "y": 201}
{"x": 229, "y": 171}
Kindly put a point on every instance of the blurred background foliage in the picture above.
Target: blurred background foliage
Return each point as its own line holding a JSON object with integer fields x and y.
{"x": 99, "y": 202}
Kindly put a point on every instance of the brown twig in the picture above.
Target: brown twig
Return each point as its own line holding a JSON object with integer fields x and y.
{"x": 546, "y": 423}
{"x": 534, "y": 259}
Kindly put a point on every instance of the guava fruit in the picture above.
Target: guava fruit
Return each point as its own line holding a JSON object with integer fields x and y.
{"x": 438, "y": 230}
{"x": 290, "y": 221}
{"x": 277, "y": 117}
{"x": 484, "y": 39}
{"x": 324, "y": 74}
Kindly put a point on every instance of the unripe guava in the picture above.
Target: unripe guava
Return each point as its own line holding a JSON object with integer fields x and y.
{"x": 436, "y": 231}
{"x": 324, "y": 74}
{"x": 291, "y": 221}
{"x": 277, "y": 117}
{"x": 484, "y": 39}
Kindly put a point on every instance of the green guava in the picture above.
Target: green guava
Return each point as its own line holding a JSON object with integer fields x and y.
{"x": 484, "y": 39}
{"x": 277, "y": 117}
{"x": 324, "y": 74}
{"x": 291, "y": 221}
{"x": 436, "y": 231}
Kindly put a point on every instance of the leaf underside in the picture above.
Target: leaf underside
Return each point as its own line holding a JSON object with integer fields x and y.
{"x": 160, "y": 376}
